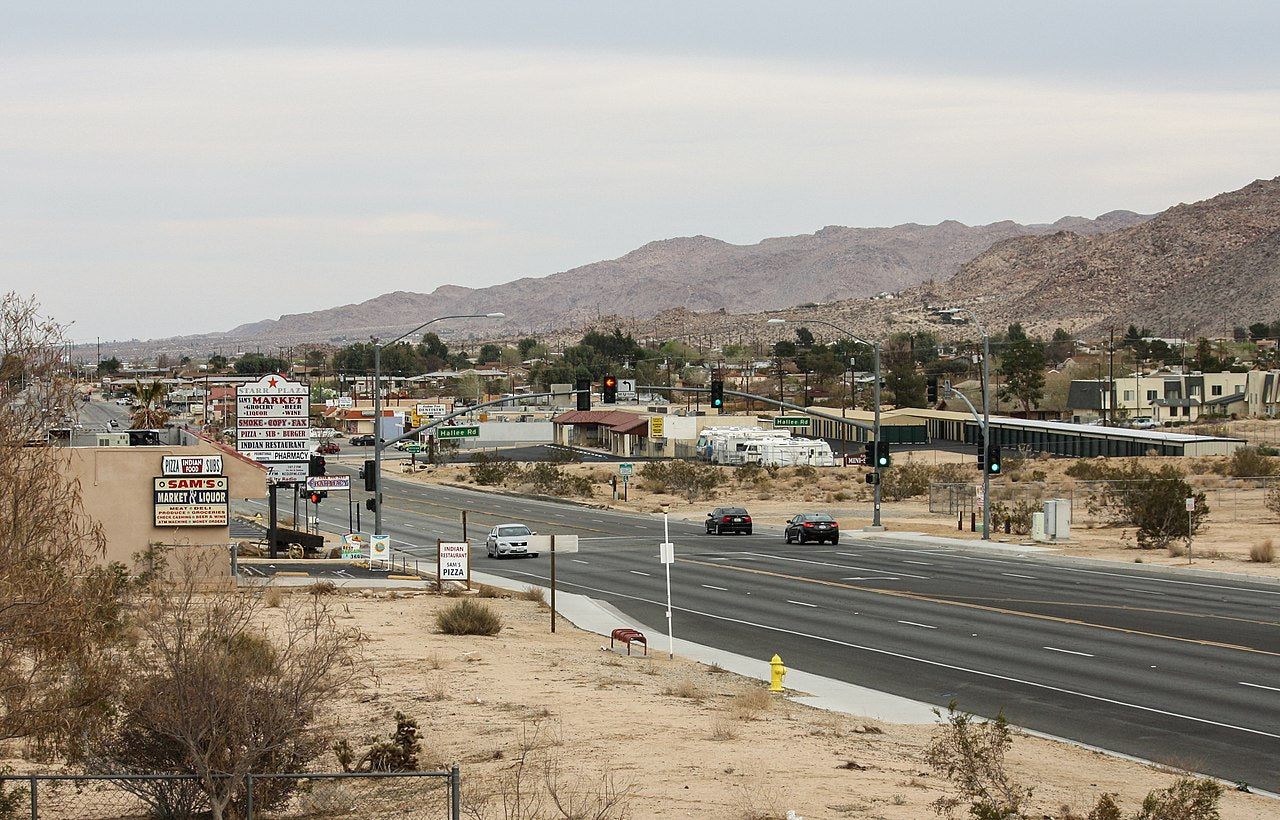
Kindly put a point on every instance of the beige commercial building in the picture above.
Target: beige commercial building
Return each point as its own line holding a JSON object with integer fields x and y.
{"x": 121, "y": 491}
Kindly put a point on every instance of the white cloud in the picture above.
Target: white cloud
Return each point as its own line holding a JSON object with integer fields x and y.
{"x": 408, "y": 168}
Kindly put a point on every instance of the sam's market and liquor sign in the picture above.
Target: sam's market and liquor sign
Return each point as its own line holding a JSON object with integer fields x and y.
{"x": 191, "y": 501}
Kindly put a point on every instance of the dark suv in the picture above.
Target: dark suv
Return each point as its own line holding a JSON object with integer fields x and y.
{"x": 361, "y": 441}
{"x": 728, "y": 519}
{"x": 812, "y": 527}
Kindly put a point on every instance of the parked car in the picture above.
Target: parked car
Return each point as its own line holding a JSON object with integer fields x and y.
{"x": 509, "y": 539}
{"x": 328, "y": 449}
{"x": 807, "y": 527}
{"x": 728, "y": 519}
{"x": 362, "y": 441}
{"x": 1143, "y": 423}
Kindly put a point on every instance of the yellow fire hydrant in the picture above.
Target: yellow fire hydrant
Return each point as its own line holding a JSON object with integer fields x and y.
{"x": 779, "y": 672}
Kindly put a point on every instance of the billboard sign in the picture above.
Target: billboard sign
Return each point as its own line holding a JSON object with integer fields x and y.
{"x": 328, "y": 482}
{"x": 273, "y": 425}
{"x": 195, "y": 501}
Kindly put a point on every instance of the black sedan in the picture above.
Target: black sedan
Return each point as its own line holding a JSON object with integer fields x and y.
{"x": 807, "y": 527}
{"x": 728, "y": 519}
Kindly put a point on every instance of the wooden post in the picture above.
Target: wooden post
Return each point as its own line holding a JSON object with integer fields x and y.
{"x": 553, "y": 583}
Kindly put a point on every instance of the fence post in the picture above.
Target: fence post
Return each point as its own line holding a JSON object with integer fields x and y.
{"x": 248, "y": 797}
{"x": 35, "y": 807}
{"x": 455, "y": 793}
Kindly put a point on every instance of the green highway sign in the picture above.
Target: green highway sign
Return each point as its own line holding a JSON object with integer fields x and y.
{"x": 469, "y": 431}
{"x": 624, "y": 469}
{"x": 791, "y": 421}
{"x": 413, "y": 448}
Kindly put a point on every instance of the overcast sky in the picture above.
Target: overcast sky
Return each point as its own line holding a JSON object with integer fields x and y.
{"x": 172, "y": 167}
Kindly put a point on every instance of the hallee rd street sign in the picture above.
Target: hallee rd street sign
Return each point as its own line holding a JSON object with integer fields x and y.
{"x": 469, "y": 431}
{"x": 791, "y": 421}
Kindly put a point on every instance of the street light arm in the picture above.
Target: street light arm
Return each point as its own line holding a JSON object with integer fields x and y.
{"x": 439, "y": 319}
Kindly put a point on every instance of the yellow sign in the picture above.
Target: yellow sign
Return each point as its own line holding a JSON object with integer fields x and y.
{"x": 656, "y": 427}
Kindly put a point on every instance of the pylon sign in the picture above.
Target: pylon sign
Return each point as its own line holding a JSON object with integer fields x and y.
{"x": 273, "y": 426}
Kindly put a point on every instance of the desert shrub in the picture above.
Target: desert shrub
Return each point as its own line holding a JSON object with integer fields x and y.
{"x": 1087, "y": 469}
{"x": 1263, "y": 552}
{"x": 490, "y": 470}
{"x": 1272, "y": 499}
{"x": 1153, "y": 500}
{"x": 1105, "y": 809}
{"x": 207, "y": 693}
{"x": 1018, "y": 515}
{"x": 551, "y": 480}
{"x": 1187, "y": 799}
{"x": 905, "y": 480}
{"x": 749, "y": 473}
{"x": 1248, "y": 461}
{"x": 805, "y": 471}
{"x": 531, "y": 593}
{"x": 970, "y": 752}
{"x": 397, "y": 753}
{"x": 322, "y": 588}
{"x": 467, "y": 617}
{"x": 689, "y": 479}
{"x": 953, "y": 473}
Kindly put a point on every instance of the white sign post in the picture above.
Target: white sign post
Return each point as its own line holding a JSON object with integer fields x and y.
{"x": 1191, "y": 507}
{"x": 667, "y": 555}
{"x": 453, "y": 562}
{"x": 273, "y": 426}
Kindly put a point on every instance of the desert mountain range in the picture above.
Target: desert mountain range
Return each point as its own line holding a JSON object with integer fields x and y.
{"x": 1192, "y": 269}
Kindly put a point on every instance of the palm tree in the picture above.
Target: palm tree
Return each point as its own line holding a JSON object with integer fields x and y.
{"x": 150, "y": 413}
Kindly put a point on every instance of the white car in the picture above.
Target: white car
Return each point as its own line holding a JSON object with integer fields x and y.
{"x": 1144, "y": 423}
{"x": 509, "y": 539}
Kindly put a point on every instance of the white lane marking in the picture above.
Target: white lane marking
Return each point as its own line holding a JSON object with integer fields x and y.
{"x": 638, "y": 572}
{"x": 921, "y": 563}
{"x": 802, "y": 603}
{"x": 1016, "y": 575}
{"x": 708, "y": 586}
{"x": 872, "y": 578}
{"x": 939, "y": 664}
{"x": 913, "y": 623}
{"x": 410, "y": 526}
{"x": 1259, "y": 686}
{"x": 579, "y": 561}
{"x": 1143, "y": 591}
{"x": 838, "y": 566}
{"x": 1068, "y": 652}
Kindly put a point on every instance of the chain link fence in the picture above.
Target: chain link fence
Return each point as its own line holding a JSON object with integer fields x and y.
{"x": 1228, "y": 499}
{"x": 401, "y": 795}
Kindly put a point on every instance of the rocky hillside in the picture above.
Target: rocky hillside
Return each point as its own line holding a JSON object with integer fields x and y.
{"x": 698, "y": 273}
{"x": 1193, "y": 269}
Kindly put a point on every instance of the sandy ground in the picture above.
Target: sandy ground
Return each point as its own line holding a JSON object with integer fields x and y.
{"x": 673, "y": 737}
{"x": 685, "y": 740}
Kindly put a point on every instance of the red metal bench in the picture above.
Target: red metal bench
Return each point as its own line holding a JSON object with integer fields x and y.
{"x": 628, "y": 637}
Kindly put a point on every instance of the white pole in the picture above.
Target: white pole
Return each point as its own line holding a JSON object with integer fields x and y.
{"x": 666, "y": 539}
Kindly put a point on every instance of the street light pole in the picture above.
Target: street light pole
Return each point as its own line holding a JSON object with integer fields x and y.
{"x": 377, "y": 406}
{"x": 875, "y": 433}
{"x": 986, "y": 424}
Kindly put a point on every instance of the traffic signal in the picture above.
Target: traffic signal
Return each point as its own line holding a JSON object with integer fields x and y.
{"x": 369, "y": 475}
{"x": 982, "y": 457}
{"x": 882, "y": 455}
{"x": 993, "y": 460}
{"x": 371, "y": 504}
{"x": 318, "y": 495}
{"x": 931, "y": 389}
{"x": 583, "y": 389}
{"x": 609, "y": 390}
{"x": 315, "y": 466}
{"x": 717, "y": 393}
{"x": 870, "y": 453}
{"x": 873, "y": 478}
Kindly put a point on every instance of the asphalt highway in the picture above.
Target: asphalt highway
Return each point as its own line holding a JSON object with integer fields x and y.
{"x": 1179, "y": 668}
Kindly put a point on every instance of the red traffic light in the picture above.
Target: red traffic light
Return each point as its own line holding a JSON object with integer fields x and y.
{"x": 610, "y": 381}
